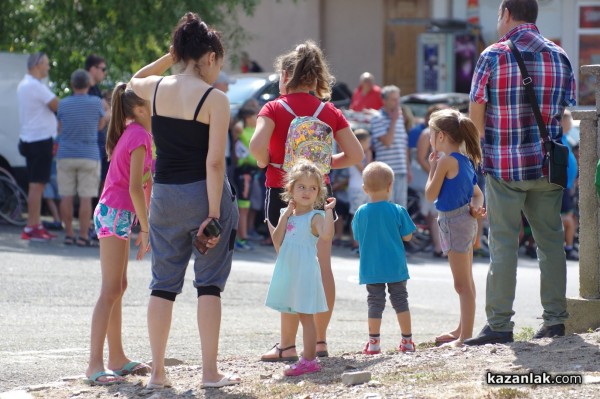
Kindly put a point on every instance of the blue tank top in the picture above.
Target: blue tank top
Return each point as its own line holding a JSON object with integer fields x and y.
{"x": 181, "y": 146}
{"x": 457, "y": 192}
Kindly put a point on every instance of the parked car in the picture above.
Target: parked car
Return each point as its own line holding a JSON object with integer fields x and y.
{"x": 420, "y": 102}
{"x": 264, "y": 87}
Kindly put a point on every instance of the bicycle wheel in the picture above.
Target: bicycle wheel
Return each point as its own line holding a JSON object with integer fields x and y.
{"x": 13, "y": 202}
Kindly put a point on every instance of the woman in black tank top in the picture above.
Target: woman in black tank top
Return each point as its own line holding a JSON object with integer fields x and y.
{"x": 190, "y": 190}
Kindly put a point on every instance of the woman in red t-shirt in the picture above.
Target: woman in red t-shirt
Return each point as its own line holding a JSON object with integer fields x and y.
{"x": 302, "y": 71}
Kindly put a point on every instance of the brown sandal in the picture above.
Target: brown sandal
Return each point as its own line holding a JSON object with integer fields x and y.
{"x": 324, "y": 353}
{"x": 280, "y": 357}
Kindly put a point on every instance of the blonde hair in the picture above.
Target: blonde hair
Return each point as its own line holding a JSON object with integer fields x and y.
{"x": 460, "y": 129}
{"x": 377, "y": 176}
{"x": 306, "y": 66}
{"x": 304, "y": 168}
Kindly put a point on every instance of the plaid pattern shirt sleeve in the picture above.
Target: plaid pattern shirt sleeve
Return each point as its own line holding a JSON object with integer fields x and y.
{"x": 512, "y": 148}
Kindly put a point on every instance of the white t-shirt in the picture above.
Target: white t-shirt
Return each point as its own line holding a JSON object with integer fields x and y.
{"x": 37, "y": 120}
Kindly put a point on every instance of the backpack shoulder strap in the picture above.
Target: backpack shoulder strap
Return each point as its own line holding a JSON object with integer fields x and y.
{"x": 318, "y": 111}
{"x": 287, "y": 107}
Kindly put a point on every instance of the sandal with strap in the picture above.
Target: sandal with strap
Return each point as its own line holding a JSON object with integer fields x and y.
{"x": 324, "y": 353}
{"x": 280, "y": 357}
{"x": 84, "y": 242}
{"x": 69, "y": 240}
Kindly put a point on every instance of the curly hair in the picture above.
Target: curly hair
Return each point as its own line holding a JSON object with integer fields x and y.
{"x": 305, "y": 168}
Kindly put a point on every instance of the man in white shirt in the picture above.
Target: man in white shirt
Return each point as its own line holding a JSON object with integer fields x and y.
{"x": 37, "y": 105}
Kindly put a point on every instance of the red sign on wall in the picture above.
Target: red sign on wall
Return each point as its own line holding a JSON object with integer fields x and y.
{"x": 589, "y": 17}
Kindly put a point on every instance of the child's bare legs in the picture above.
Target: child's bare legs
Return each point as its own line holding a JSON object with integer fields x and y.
{"x": 461, "y": 265}
{"x": 243, "y": 223}
{"x": 53, "y": 209}
{"x": 309, "y": 336}
{"x": 160, "y": 313}
{"x": 106, "y": 318}
{"x": 322, "y": 319}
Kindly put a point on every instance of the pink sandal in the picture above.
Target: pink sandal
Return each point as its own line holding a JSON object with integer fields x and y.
{"x": 302, "y": 367}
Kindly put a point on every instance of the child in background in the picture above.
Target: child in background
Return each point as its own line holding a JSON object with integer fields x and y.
{"x": 245, "y": 169}
{"x": 380, "y": 227}
{"x": 452, "y": 185}
{"x": 296, "y": 286}
{"x": 356, "y": 194}
{"x": 123, "y": 200}
{"x": 339, "y": 186}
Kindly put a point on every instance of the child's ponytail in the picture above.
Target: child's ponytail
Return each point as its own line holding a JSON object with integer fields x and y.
{"x": 124, "y": 101}
{"x": 116, "y": 126}
{"x": 471, "y": 137}
{"x": 460, "y": 129}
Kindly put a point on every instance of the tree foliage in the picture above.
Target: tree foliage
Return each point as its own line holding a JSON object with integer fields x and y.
{"x": 127, "y": 33}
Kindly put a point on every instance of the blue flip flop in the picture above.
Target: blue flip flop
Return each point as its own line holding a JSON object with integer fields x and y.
{"x": 133, "y": 368}
{"x": 94, "y": 378}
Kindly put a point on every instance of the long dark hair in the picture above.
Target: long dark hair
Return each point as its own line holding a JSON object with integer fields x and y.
{"x": 123, "y": 102}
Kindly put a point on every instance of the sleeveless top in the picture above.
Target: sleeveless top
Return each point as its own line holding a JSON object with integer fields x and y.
{"x": 457, "y": 192}
{"x": 181, "y": 146}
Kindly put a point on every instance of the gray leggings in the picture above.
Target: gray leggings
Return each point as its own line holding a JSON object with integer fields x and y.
{"x": 376, "y": 298}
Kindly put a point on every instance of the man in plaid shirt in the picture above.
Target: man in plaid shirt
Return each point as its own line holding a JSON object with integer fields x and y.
{"x": 513, "y": 162}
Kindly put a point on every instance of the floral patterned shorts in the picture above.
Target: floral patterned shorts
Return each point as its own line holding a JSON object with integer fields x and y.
{"x": 112, "y": 222}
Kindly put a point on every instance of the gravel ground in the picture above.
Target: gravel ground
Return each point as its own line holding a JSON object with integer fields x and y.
{"x": 428, "y": 373}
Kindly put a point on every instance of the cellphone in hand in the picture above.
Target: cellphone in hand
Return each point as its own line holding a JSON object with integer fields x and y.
{"x": 212, "y": 229}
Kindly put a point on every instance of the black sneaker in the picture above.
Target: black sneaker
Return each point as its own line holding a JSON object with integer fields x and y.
{"x": 489, "y": 336}
{"x": 572, "y": 254}
{"x": 557, "y": 330}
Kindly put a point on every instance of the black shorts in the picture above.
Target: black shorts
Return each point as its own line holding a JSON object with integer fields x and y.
{"x": 567, "y": 202}
{"x": 38, "y": 156}
{"x": 274, "y": 204}
{"x": 243, "y": 181}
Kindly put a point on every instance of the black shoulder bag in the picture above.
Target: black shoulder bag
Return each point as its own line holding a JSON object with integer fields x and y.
{"x": 556, "y": 154}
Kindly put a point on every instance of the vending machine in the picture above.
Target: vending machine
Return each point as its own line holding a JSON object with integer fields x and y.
{"x": 446, "y": 61}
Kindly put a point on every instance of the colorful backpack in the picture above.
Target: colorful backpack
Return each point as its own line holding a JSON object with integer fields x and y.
{"x": 308, "y": 138}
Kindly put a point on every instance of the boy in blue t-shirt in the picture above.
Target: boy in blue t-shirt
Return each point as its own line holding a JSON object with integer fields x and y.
{"x": 380, "y": 227}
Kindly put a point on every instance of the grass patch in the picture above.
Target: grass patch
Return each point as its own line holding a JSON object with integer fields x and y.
{"x": 525, "y": 334}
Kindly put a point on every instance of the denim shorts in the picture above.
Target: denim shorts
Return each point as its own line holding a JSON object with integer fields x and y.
{"x": 457, "y": 229}
{"x": 112, "y": 222}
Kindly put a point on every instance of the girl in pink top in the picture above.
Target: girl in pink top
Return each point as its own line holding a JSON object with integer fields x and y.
{"x": 129, "y": 149}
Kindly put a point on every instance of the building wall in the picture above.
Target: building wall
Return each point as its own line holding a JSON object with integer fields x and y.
{"x": 277, "y": 26}
{"x": 353, "y": 38}
{"x": 349, "y": 31}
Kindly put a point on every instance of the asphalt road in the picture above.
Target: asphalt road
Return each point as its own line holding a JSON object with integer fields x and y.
{"x": 48, "y": 291}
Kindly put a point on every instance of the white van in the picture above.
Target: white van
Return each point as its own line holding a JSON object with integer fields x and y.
{"x": 12, "y": 69}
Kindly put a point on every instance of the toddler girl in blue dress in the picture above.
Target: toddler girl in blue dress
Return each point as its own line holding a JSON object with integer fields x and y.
{"x": 296, "y": 285}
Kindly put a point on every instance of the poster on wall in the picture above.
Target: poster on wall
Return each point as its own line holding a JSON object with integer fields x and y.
{"x": 589, "y": 54}
{"x": 433, "y": 61}
{"x": 465, "y": 52}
